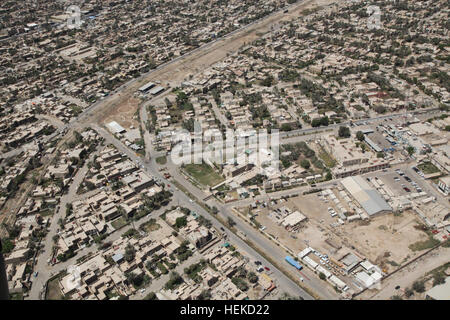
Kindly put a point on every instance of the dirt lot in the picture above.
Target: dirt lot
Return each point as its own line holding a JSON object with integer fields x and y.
{"x": 386, "y": 233}
{"x": 123, "y": 114}
{"x": 383, "y": 240}
{"x": 313, "y": 230}
{"x": 53, "y": 290}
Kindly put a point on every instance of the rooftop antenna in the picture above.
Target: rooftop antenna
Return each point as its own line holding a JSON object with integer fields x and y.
{"x": 4, "y": 294}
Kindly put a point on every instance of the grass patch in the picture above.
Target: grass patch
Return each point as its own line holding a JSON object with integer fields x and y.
{"x": 204, "y": 174}
{"x": 393, "y": 263}
{"x": 47, "y": 212}
{"x": 53, "y": 290}
{"x": 150, "y": 226}
{"x": 428, "y": 168}
{"x": 161, "y": 160}
{"x": 119, "y": 223}
{"x": 16, "y": 296}
{"x": 327, "y": 159}
{"x": 422, "y": 245}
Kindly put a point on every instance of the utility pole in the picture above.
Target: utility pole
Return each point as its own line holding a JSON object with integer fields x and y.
{"x": 4, "y": 294}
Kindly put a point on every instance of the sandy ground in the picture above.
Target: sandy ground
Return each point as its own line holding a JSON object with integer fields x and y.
{"x": 406, "y": 277}
{"x": 383, "y": 239}
{"x": 387, "y": 233}
{"x": 124, "y": 114}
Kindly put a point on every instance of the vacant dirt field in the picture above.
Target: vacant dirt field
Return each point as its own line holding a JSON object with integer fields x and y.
{"x": 314, "y": 230}
{"x": 387, "y": 233}
{"x": 124, "y": 114}
{"x": 384, "y": 240}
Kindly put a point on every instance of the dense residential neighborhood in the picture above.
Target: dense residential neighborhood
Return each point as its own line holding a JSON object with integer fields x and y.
{"x": 225, "y": 150}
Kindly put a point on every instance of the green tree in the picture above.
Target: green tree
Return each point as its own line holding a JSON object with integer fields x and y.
{"x": 360, "y": 136}
{"x": 231, "y": 222}
{"x": 151, "y": 296}
{"x": 419, "y": 286}
{"x": 252, "y": 277}
{"x": 7, "y": 246}
{"x": 130, "y": 253}
{"x": 438, "y": 278}
{"x": 305, "y": 163}
{"x": 180, "y": 222}
{"x": 344, "y": 132}
{"x": 408, "y": 292}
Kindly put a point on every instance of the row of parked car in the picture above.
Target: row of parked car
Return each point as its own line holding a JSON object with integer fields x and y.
{"x": 408, "y": 179}
{"x": 418, "y": 171}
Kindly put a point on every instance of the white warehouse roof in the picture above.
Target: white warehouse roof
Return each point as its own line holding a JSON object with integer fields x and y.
{"x": 367, "y": 197}
{"x": 115, "y": 127}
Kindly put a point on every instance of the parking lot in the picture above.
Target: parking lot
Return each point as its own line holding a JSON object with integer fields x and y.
{"x": 400, "y": 183}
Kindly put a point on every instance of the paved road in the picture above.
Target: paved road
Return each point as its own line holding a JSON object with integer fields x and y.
{"x": 264, "y": 244}
{"x": 306, "y": 134}
{"x": 42, "y": 265}
{"x": 219, "y": 115}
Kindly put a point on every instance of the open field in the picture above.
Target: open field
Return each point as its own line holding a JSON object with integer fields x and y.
{"x": 428, "y": 168}
{"x": 123, "y": 113}
{"x": 388, "y": 240}
{"x": 118, "y": 223}
{"x": 204, "y": 174}
{"x": 327, "y": 159}
{"x": 161, "y": 160}
{"x": 150, "y": 226}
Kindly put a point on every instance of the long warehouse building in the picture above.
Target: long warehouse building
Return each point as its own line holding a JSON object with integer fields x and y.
{"x": 369, "y": 198}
